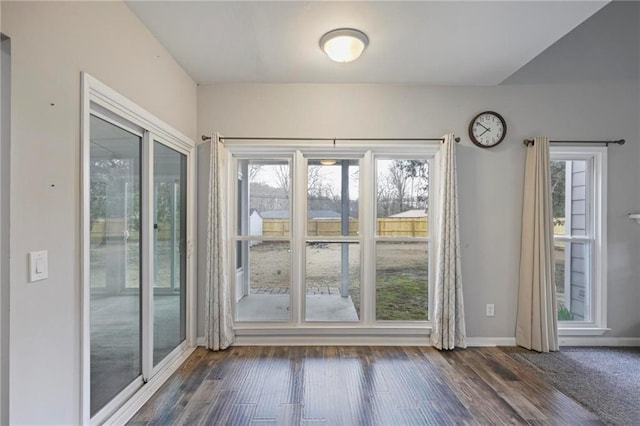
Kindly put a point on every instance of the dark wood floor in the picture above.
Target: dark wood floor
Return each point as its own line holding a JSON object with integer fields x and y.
{"x": 358, "y": 386}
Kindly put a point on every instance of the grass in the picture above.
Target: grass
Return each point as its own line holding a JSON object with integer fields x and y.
{"x": 401, "y": 297}
{"x": 564, "y": 314}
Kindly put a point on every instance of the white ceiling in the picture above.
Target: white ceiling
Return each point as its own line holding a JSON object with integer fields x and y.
{"x": 431, "y": 42}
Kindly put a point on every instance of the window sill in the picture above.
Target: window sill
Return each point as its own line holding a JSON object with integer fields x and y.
{"x": 582, "y": 331}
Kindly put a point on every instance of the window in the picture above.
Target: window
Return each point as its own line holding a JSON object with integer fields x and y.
{"x": 578, "y": 180}
{"x": 332, "y": 267}
{"x": 263, "y": 241}
{"x": 330, "y": 238}
{"x": 402, "y": 261}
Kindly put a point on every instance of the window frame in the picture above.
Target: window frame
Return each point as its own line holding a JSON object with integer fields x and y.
{"x": 366, "y": 152}
{"x": 428, "y": 239}
{"x": 596, "y": 158}
{"x": 237, "y": 233}
{"x": 301, "y": 216}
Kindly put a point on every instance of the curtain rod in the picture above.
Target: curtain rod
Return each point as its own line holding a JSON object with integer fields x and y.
{"x": 528, "y": 142}
{"x": 235, "y": 138}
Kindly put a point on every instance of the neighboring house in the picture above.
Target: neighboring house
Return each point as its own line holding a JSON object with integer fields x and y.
{"x": 255, "y": 225}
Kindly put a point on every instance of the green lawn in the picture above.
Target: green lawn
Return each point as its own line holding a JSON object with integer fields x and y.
{"x": 401, "y": 297}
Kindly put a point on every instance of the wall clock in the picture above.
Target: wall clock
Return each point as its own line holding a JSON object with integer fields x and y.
{"x": 487, "y": 129}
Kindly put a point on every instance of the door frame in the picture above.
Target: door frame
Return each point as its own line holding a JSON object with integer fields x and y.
{"x": 99, "y": 99}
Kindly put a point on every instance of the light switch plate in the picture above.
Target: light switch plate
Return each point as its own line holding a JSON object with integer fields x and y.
{"x": 38, "y": 266}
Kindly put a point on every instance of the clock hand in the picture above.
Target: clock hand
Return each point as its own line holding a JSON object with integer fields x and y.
{"x": 480, "y": 124}
{"x": 487, "y": 130}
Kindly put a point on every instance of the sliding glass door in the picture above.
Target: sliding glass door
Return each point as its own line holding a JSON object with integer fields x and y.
{"x": 115, "y": 260}
{"x": 170, "y": 250}
{"x": 137, "y": 192}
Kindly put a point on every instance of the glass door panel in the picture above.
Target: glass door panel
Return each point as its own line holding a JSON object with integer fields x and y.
{"x": 170, "y": 254}
{"x": 115, "y": 318}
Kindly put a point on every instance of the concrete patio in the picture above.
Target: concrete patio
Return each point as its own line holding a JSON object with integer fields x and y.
{"x": 273, "y": 305}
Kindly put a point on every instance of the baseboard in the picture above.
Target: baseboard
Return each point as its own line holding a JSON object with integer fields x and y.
{"x": 599, "y": 341}
{"x": 131, "y": 407}
{"x": 361, "y": 340}
{"x": 415, "y": 341}
{"x": 331, "y": 341}
{"x": 490, "y": 341}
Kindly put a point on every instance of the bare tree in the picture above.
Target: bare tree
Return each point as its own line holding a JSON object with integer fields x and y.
{"x": 384, "y": 195}
{"x": 398, "y": 181}
{"x": 282, "y": 177}
{"x": 254, "y": 171}
{"x": 417, "y": 172}
{"x": 315, "y": 186}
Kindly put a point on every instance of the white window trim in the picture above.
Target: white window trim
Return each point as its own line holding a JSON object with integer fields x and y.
{"x": 100, "y": 100}
{"x": 597, "y": 156}
{"x": 367, "y": 152}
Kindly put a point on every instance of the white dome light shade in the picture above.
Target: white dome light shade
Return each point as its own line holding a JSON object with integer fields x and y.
{"x": 344, "y": 44}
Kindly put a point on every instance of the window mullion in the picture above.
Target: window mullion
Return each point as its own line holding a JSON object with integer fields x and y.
{"x": 298, "y": 231}
{"x": 367, "y": 231}
{"x": 148, "y": 255}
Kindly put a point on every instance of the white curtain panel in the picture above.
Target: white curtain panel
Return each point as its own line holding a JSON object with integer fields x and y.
{"x": 537, "y": 324}
{"x": 448, "y": 329}
{"x": 218, "y": 319}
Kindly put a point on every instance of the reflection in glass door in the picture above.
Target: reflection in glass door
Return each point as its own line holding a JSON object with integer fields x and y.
{"x": 170, "y": 237}
{"x": 114, "y": 254}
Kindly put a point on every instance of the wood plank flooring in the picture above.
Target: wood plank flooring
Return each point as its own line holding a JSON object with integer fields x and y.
{"x": 358, "y": 386}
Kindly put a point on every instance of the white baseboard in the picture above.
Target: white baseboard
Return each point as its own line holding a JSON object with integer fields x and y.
{"x": 362, "y": 340}
{"x": 490, "y": 341}
{"x": 200, "y": 341}
{"x": 131, "y": 407}
{"x": 599, "y": 341}
{"x": 273, "y": 340}
{"x": 331, "y": 341}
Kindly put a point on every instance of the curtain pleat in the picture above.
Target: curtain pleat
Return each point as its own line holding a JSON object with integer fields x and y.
{"x": 218, "y": 319}
{"x": 536, "y": 323}
{"x": 448, "y": 326}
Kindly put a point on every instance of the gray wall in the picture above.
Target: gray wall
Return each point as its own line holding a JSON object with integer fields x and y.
{"x": 490, "y": 180}
{"x": 5, "y": 143}
{"x": 51, "y": 44}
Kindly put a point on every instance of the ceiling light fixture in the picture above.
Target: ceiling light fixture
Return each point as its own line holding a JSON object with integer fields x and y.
{"x": 344, "y": 44}
{"x": 327, "y": 162}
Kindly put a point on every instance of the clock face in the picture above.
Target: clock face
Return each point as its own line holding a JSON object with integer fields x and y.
{"x": 487, "y": 129}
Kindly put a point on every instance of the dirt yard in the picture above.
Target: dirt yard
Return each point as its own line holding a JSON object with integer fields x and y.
{"x": 401, "y": 273}
{"x": 271, "y": 262}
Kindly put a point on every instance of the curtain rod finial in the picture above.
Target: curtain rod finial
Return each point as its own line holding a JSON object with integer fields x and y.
{"x": 457, "y": 139}
{"x": 621, "y": 142}
{"x": 206, "y": 138}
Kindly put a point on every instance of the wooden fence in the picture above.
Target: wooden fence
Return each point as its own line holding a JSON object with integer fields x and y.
{"x": 386, "y": 227}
